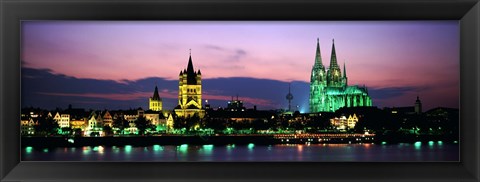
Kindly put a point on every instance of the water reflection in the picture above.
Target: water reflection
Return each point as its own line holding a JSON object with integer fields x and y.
{"x": 183, "y": 148}
{"x": 208, "y": 149}
{"x": 300, "y": 148}
{"x": 128, "y": 149}
{"x": 251, "y": 146}
{"x": 157, "y": 148}
{"x": 418, "y": 151}
{"x": 418, "y": 145}
{"x": 99, "y": 149}
{"x": 28, "y": 149}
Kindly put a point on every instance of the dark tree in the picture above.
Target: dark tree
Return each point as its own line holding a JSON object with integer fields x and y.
{"x": 77, "y": 132}
{"x": 108, "y": 130}
{"x": 66, "y": 130}
{"x": 120, "y": 123}
{"x": 260, "y": 124}
{"x": 193, "y": 121}
{"x": 218, "y": 125}
{"x": 142, "y": 124}
{"x": 46, "y": 126}
{"x": 297, "y": 125}
{"x": 179, "y": 123}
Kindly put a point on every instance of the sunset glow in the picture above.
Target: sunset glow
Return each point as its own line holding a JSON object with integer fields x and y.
{"x": 396, "y": 60}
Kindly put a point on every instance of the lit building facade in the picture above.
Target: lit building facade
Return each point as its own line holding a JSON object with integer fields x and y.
{"x": 169, "y": 123}
{"x": 344, "y": 123}
{"x": 27, "y": 126}
{"x": 107, "y": 119}
{"x": 63, "y": 120}
{"x": 93, "y": 125}
{"x": 189, "y": 92}
{"x": 329, "y": 88}
{"x": 78, "y": 123}
{"x": 100, "y": 120}
{"x": 155, "y": 102}
{"x": 352, "y": 121}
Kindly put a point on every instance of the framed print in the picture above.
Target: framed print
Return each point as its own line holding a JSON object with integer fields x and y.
{"x": 201, "y": 90}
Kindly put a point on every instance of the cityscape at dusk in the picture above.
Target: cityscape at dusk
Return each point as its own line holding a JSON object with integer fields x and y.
{"x": 240, "y": 91}
{"x": 115, "y": 65}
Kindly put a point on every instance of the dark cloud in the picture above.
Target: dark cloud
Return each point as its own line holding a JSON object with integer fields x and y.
{"x": 233, "y": 54}
{"x": 266, "y": 89}
{"x": 238, "y": 55}
{"x": 214, "y": 47}
{"x": 43, "y": 88}
{"x": 390, "y": 92}
{"x": 24, "y": 63}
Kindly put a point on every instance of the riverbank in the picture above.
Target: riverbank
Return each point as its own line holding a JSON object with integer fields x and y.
{"x": 215, "y": 140}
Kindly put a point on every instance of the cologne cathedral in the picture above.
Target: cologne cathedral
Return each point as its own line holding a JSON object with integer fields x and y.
{"x": 329, "y": 89}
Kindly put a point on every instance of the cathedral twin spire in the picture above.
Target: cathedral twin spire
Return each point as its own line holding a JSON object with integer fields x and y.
{"x": 318, "y": 57}
{"x": 330, "y": 91}
{"x": 333, "y": 59}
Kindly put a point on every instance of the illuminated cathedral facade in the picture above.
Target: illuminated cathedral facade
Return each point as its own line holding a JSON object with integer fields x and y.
{"x": 329, "y": 88}
{"x": 189, "y": 92}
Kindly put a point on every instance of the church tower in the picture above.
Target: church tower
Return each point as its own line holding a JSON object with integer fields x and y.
{"x": 318, "y": 82}
{"x": 155, "y": 102}
{"x": 418, "y": 106}
{"x": 189, "y": 92}
{"x": 334, "y": 75}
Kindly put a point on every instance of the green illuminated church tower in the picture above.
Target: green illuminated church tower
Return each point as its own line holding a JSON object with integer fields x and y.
{"x": 329, "y": 89}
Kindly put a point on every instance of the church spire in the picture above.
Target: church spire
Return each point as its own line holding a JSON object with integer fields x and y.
{"x": 344, "y": 70}
{"x": 190, "y": 65}
{"x": 333, "y": 59}
{"x": 191, "y": 75}
{"x": 155, "y": 94}
{"x": 318, "y": 56}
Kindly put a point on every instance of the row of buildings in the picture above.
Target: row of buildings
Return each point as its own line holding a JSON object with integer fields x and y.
{"x": 89, "y": 122}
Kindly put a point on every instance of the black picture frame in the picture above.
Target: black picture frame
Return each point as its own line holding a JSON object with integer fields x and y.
{"x": 12, "y": 12}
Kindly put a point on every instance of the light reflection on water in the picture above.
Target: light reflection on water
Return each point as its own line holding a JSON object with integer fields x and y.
{"x": 426, "y": 151}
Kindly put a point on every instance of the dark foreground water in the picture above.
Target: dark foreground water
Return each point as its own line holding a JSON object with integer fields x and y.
{"x": 426, "y": 151}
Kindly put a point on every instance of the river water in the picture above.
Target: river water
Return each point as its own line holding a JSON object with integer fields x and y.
{"x": 403, "y": 152}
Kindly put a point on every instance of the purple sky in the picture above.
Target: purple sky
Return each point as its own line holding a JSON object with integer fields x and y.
{"x": 423, "y": 55}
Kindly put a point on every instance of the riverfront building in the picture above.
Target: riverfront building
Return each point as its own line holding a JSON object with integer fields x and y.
{"x": 329, "y": 88}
